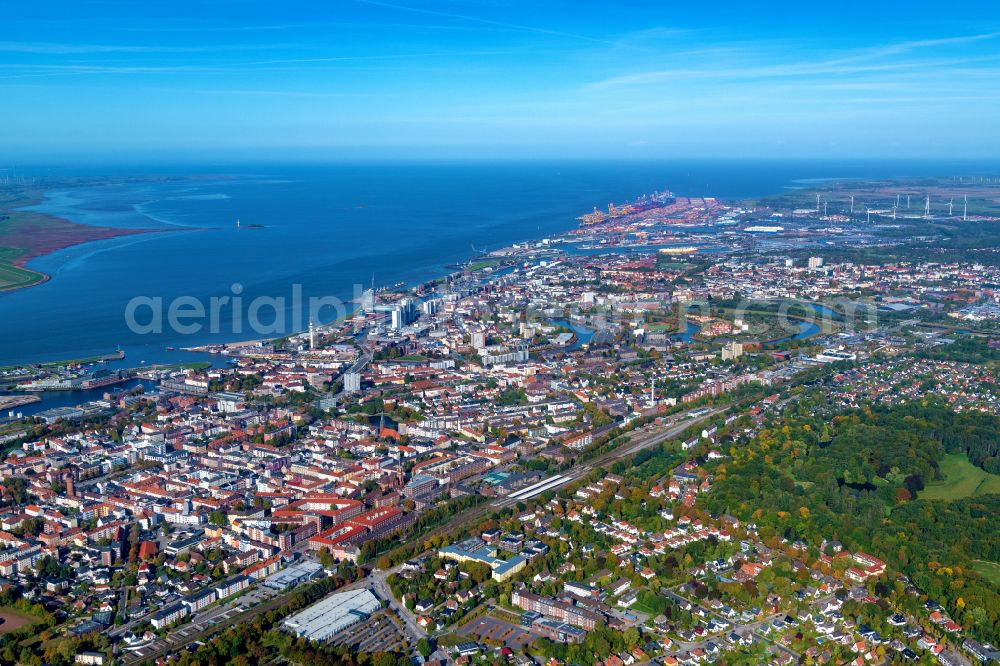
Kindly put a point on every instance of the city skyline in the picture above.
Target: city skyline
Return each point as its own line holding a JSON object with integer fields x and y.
{"x": 221, "y": 80}
{"x": 481, "y": 332}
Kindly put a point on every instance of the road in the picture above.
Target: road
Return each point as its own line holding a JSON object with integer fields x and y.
{"x": 205, "y": 624}
{"x": 357, "y": 366}
{"x": 644, "y": 438}
{"x": 376, "y": 582}
{"x": 218, "y": 618}
{"x": 752, "y": 627}
{"x": 123, "y": 602}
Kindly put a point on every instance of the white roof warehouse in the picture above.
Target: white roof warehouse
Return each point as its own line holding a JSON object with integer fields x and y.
{"x": 333, "y": 614}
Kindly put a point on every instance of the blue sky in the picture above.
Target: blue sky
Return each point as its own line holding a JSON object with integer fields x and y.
{"x": 232, "y": 79}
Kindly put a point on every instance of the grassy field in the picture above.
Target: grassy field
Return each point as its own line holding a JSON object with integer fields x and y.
{"x": 26, "y": 234}
{"x": 12, "y": 276}
{"x": 665, "y": 264}
{"x": 14, "y": 620}
{"x": 483, "y": 264}
{"x": 639, "y": 607}
{"x": 961, "y": 479}
{"x": 988, "y": 570}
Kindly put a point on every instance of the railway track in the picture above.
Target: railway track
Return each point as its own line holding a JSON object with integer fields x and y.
{"x": 643, "y": 439}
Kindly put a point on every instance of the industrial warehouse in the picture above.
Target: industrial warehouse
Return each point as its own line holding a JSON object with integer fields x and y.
{"x": 333, "y": 614}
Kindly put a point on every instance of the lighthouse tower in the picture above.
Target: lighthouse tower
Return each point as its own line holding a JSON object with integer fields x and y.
{"x": 312, "y": 336}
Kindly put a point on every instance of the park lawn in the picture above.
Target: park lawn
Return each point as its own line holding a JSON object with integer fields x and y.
{"x": 988, "y": 570}
{"x": 960, "y": 479}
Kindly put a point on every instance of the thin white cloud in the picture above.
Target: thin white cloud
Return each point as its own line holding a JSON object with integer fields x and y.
{"x": 859, "y": 62}
{"x": 943, "y": 41}
{"x": 278, "y": 64}
{"x": 787, "y": 71}
{"x": 385, "y": 56}
{"x": 311, "y": 26}
{"x": 47, "y": 48}
{"x": 216, "y": 28}
{"x": 57, "y": 49}
{"x": 241, "y": 92}
{"x": 484, "y": 21}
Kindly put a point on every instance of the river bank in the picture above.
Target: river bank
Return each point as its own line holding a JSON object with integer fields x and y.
{"x": 141, "y": 376}
{"x": 12, "y": 401}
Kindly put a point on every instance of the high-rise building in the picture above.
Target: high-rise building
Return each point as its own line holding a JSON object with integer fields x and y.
{"x": 368, "y": 300}
{"x": 352, "y": 382}
{"x": 815, "y": 262}
{"x": 732, "y": 350}
{"x": 403, "y": 313}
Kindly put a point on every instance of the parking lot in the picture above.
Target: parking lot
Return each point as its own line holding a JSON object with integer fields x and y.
{"x": 379, "y": 632}
{"x": 184, "y": 633}
{"x": 490, "y": 628}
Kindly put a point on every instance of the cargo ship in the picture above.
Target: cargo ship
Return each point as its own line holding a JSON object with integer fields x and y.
{"x": 643, "y": 203}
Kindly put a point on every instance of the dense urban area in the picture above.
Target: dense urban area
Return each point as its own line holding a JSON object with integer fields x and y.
{"x": 689, "y": 431}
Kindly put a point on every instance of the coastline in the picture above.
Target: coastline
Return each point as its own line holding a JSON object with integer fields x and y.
{"x": 41, "y": 278}
{"x": 30, "y": 234}
{"x": 325, "y": 218}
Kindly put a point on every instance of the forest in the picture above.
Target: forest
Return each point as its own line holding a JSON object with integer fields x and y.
{"x": 965, "y": 349}
{"x": 855, "y": 476}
